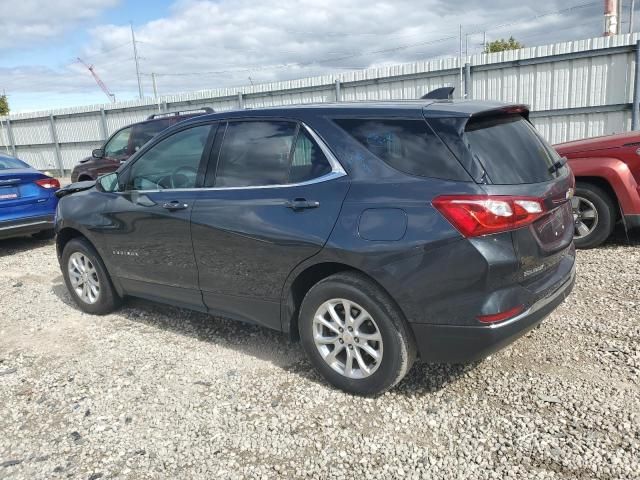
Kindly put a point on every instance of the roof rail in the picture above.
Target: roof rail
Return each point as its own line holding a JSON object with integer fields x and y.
{"x": 204, "y": 111}
{"x": 443, "y": 93}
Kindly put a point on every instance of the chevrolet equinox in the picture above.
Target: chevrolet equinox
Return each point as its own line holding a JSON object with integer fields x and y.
{"x": 376, "y": 233}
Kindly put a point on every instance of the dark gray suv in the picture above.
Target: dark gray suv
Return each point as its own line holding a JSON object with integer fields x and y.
{"x": 377, "y": 233}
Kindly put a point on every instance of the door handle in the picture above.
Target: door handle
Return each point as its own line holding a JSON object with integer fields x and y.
{"x": 174, "y": 205}
{"x": 302, "y": 204}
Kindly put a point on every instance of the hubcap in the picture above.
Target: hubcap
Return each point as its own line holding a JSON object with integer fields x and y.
{"x": 585, "y": 216}
{"x": 347, "y": 338}
{"x": 84, "y": 277}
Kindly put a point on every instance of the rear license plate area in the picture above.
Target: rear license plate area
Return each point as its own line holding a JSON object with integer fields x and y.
{"x": 555, "y": 230}
{"x": 8, "y": 193}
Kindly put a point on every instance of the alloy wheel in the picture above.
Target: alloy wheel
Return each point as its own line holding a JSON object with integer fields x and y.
{"x": 84, "y": 277}
{"x": 585, "y": 216}
{"x": 347, "y": 338}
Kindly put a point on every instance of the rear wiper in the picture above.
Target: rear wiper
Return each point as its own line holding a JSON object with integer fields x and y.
{"x": 558, "y": 165}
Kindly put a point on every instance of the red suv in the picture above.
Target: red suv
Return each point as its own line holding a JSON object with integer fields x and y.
{"x": 127, "y": 141}
{"x": 607, "y": 171}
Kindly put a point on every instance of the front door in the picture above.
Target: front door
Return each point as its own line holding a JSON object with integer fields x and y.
{"x": 275, "y": 199}
{"x": 150, "y": 238}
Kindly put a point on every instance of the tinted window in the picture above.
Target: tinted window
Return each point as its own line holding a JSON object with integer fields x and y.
{"x": 171, "y": 163}
{"x": 255, "y": 154}
{"x": 510, "y": 150}
{"x": 10, "y": 162}
{"x": 308, "y": 160}
{"x": 144, "y": 132}
{"x": 407, "y": 145}
{"x": 119, "y": 144}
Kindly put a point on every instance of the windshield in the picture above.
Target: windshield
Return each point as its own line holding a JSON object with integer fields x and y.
{"x": 7, "y": 163}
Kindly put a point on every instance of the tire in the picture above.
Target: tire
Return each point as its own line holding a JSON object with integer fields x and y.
{"x": 396, "y": 351}
{"x": 45, "y": 234}
{"x": 589, "y": 197}
{"x": 106, "y": 300}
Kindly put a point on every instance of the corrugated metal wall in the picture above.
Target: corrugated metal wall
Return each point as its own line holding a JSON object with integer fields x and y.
{"x": 575, "y": 89}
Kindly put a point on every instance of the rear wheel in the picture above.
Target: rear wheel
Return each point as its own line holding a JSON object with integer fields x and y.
{"x": 87, "y": 279}
{"x": 355, "y": 335}
{"x": 593, "y": 215}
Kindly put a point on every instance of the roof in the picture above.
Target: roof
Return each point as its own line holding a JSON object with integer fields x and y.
{"x": 444, "y": 108}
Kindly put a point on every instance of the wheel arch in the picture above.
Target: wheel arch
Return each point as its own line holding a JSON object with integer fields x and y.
{"x": 304, "y": 279}
{"x": 66, "y": 234}
{"x": 613, "y": 176}
{"x": 604, "y": 185}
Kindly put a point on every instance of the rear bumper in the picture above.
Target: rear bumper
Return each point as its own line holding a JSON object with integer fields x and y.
{"x": 26, "y": 226}
{"x": 463, "y": 344}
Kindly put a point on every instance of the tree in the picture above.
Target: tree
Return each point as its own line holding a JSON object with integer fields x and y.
{"x": 501, "y": 45}
{"x": 4, "y": 105}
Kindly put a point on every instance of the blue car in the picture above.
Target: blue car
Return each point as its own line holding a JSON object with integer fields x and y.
{"x": 27, "y": 200}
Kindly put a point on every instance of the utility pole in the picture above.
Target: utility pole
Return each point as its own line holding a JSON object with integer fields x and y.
{"x": 155, "y": 89}
{"x": 460, "y": 64}
{"x": 135, "y": 57}
{"x": 633, "y": 7}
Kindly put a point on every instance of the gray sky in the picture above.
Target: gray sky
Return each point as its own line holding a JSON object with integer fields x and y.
{"x": 227, "y": 41}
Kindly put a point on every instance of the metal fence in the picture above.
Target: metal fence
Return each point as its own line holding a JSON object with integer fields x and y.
{"x": 575, "y": 90}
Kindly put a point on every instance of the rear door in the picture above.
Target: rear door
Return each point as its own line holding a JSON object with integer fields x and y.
{"x": 274, "y": 194}
{"x": 517, "y": 161}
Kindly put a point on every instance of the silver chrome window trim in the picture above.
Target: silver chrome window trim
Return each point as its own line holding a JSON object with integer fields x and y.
{"x": 337, "y": 171}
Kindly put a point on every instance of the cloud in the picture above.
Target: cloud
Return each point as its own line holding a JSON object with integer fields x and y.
{"x": 207, "y": 44}
{"x": 27, "y": 22}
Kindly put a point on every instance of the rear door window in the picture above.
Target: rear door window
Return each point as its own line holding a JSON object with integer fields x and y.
{"x": 406, "y": 145}
{"x": 255, "y": 153}
{"x": 510, "y": 150}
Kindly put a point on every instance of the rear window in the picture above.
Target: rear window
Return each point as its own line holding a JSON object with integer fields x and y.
{"x": 7, "y": 163}
{"x": 407, "y": 145}
{"x": 510, "y": 150}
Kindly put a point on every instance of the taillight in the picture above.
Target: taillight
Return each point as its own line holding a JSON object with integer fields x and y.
{"x": 475, "y": 215}
{"x": 48, "y": 183}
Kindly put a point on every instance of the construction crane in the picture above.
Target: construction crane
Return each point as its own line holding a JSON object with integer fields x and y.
{"x": 103, "y": 87}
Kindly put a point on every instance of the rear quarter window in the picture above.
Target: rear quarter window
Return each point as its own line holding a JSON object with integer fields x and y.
{"x": 406, "y": 145}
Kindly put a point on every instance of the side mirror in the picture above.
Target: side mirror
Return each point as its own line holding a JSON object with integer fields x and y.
{"x": 98, "y": 153}
{"x": 108, "y": 183}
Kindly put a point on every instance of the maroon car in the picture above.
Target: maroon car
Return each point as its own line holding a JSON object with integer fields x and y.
{"x": 607, "y": 171}
{"x": 127, "y": 141}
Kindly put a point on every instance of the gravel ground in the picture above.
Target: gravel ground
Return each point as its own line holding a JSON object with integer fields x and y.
{"x": 157, "y": 392}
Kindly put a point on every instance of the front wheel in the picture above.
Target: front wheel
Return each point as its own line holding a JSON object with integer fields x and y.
{"x": 355, "y": 335}
{"x": 87, "y": 279}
